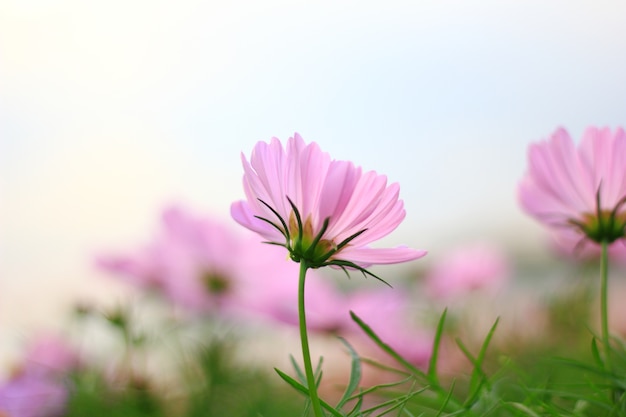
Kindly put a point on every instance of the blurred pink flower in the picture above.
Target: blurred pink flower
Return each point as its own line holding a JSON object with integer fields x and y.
{"x": 29, "y": 395}
{"x": 387, "y": 312}
{"x": 38, "y": 388}
{"x": 270, "y": 290}
{"x": 193, "y": 262}
{"x": 50, "y": 354}
{"x": 205, "y": 266}
{"x": 476, "y": 267}
{"x": 579, "y": 190}
{"x": 323, "y": 211}
{"x": 326, "y": 308}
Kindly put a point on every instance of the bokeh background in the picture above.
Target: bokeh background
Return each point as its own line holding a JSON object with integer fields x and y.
{"x": 111, "y": 110}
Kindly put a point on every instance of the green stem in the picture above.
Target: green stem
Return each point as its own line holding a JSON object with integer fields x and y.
{"x": 306, "y": 355}
{"x": 604, "y": 278}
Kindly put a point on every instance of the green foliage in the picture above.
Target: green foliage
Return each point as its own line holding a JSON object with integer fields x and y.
{"x": 548, "y": 379}
{"x": 355, "y": 374}
{"x": 226, "y": 388}
{"x": 219, "y": 387}
{"x": 92, "y": 395}
{"x": 530, "y": 385}
{"x": 569, "y": 371}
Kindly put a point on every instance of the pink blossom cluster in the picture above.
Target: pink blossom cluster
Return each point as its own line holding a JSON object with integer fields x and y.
{"x": 204, "y": 266}
{"x": 474, "y": 267}
{"x": 260, "y": 282}
{"x": 39, "y": 387}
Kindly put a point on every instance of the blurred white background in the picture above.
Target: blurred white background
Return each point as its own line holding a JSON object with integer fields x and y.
{"x": 110, "y": 110}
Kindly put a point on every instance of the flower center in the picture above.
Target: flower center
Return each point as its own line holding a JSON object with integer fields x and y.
{"x": 307, "y": 244}
{"x": 604, "y": 226}
{"x": 215, "y": 284}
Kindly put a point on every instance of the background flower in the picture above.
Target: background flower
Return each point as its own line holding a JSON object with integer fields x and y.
{"x": 391, "y": 315}
{"x": 478, "y": 267}
{"x": 39, "y": 386}
{"x": 33, "y": 396}
{"x": 202, "y": 264}
{"x": 326, "y": 307}
{"x": 50, "y": 354}
{"x": 205, "y": 266}
{"x": 192, "y": 261}
{"x": 564, "y": 183}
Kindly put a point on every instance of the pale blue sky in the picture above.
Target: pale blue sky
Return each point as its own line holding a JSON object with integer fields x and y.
{"x": 110, "y": 110}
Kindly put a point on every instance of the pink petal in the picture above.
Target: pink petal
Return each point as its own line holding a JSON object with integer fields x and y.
{"x": 242, "y": 214}
{"x": 365, "y": 256}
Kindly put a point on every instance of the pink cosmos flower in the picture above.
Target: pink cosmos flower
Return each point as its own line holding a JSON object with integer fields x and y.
{"x": 197, "y": 262}
{"x": 323, "y": 211}
{"x": 49, "y": 354}
{"x": 39, "y": 386}
{"x": 203, "y": 265}
{"x": 580, "y": 189}
{"x": 191, "y": 261}
{"x": 326, "y": 308}
{"x": 476, "y": 267}
{"x": 29, "y": 395}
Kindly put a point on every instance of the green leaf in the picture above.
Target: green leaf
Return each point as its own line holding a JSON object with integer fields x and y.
{"x": 318, "y": 370}
{"x": 304, "y": 390}
{"x": 374, "y": 388}
{"x": 299, "y": 372}
{"x": 527, "y": 411}
{"x": 386, "y": 348}
{"x": 595, "y": 352}
{"x": 474, "y": 385}
{"x": 479, "y": 378}
{"x": 432, "y": 364}
{"x": 590, "y": 398}
{"x": 356, "y": 410}
{"x": 355, "y": 374}
{"x": 301, "y": 375}
{"x": 416, "y": 372}
{"x": 386, "y": 368}
{"x": 447, "y": 400}
{"x": 394, "y": 403}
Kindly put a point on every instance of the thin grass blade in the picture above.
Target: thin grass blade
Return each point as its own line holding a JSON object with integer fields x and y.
{"x": 355, "y": 373}
{"x": 432, "y": 363}
{"x": 303, "y": 390}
